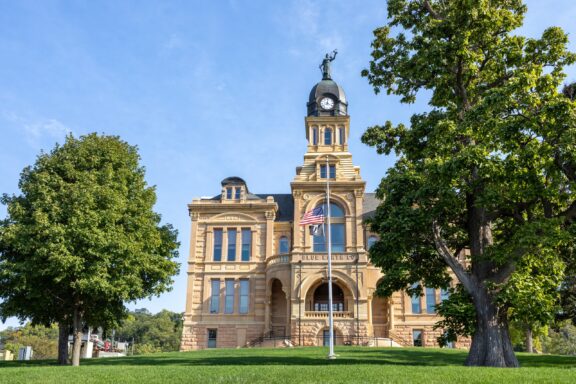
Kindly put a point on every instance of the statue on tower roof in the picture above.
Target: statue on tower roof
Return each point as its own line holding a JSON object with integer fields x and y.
{"x": 325, "y": 66}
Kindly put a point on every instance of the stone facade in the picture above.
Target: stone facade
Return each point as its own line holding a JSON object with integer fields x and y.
{"x": 255, "y": 273}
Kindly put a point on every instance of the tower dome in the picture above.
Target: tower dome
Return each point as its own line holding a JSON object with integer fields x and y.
{"x": 327, "y": 98}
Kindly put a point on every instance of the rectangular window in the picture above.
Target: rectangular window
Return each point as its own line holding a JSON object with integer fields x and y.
{"x": 331, "y": 172}
{"x": 215, "y": 296}
{"x": 284, "y": 246}
{"x": 430, "y": 300}
{"x": 416, "y": 307}
{"x": 246, "y": 243}
{"x": 229, "y": 193}
{"x": 229, "y": 298}
{"x": 444, "y": 294}
{"x": 315, "y": 136}
{"x": 328, "y": 136}
{"x": 244, "y": 295}
{"x": 217, "y": 245}
{"x": 417, "y": 337}
{"x": 231, "y": 245}
{"x": 212, "y": 336}
{"x": 338, "y": 233}
{"x": 341, "y": 134}
{"x": 237, "y": 193}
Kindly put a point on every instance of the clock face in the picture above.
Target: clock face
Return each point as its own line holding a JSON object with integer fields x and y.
{"x": 327, "y": 103}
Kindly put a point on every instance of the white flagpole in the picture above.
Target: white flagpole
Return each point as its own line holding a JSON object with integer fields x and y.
{"x": 331, "y": 354}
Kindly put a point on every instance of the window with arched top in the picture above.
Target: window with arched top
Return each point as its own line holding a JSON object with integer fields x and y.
{"x": 338, "y": 230}
{"x": 371, "y": 241}
{"x": 284, "y": 246}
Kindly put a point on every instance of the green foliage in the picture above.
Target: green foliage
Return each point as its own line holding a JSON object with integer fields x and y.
{"x": 458, "y": 316}
{"x": 484, "y": 180}
{"x": 152, "y": 333}
{"x": 82, "y": 237}
{"x": 43, "y": 340}
{"x": 561, "y": 341}
{"x": 518, "y": 336}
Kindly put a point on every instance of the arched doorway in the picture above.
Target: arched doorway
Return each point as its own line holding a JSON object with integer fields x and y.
{"x": 278, "y": 309}
{"x": 380, "y": 323}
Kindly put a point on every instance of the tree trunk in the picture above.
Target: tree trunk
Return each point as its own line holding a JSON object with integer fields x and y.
{"x": 77, "y": 337}
{"x": 63, "y": 333}
{"x": 491, "y": 345}
{"x": 529, "y": 344}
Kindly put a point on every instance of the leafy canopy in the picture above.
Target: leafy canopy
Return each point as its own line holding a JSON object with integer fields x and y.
{"x": 485, "y": 179}
{"x": 83, "y": 235}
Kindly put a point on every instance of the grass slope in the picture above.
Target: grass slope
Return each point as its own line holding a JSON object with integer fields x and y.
{"x": 298, "y": 365}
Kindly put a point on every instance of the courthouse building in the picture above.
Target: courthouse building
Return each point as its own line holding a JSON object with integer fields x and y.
{"x": 254, "y": 273}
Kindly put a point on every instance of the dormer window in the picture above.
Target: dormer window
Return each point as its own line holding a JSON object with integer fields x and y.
{"x": 234, "y": 189}
{"x": 328, "y": 171}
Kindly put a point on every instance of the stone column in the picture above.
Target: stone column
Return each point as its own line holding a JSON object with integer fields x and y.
{"x": 253, "y": 248}
{"x": 238, "y": 256}
{"x": 270, "y": 216}
{"x": 267, "y": 315}
{"x": 391, "y": 314}
{"x": 224, "y": 244}
{"x": 286, "y": 291}
{"x": 359, "y": 195}
{"x": 191, "y": 261}
{"x": 297, "y": 242}
{"x": 369, "y": 312}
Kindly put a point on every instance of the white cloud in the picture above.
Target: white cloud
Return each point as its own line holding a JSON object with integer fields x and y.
{"x": 329, "y": 43}
{"x": 307, "y": 21}
{"x": 307, "y": 15}
{"x": 46, "y": 128}
{"x": 37, "y": 131}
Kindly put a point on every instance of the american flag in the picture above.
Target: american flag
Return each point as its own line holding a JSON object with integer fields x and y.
{"x": 315, "y": 216}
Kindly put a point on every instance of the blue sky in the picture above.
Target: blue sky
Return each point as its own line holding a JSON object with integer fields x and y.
{"x": 205, "y": 89}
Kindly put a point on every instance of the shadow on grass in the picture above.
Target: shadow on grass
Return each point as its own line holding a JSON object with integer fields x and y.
{"x": 308, "y": 357}
{"x": 297, "y": 356}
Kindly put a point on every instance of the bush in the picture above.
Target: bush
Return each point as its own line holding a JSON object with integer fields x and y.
{"x": 561, "y": 341}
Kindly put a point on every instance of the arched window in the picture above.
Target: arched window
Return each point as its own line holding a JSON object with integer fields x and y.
{"x": 321, "y": 298}
{"x": 328, "y": 136}
{"x": 283, "y": 246}
{"x": 338, "y": 231}
{"x": 371, "y": 240}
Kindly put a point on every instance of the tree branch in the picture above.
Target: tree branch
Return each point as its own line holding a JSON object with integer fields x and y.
{"x": 431, "y": 11}
{"x": 504, "y": 273}
{"x": 452, "y": 261}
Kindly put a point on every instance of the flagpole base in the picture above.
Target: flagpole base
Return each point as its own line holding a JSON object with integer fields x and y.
{"x": 331, "y": 357}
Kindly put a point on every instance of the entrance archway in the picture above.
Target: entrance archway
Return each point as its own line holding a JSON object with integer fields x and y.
{"x": 380, "y": 315}
{"x": 321, "y": 298}
{"x": 278, "y": 309}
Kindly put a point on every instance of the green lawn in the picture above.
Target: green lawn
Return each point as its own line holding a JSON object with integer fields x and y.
{"x": 297, "y": 365}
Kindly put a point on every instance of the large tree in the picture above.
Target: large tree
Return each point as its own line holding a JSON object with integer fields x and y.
{"x": 82, "y": 238}
{"x": 486, "y": 179}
